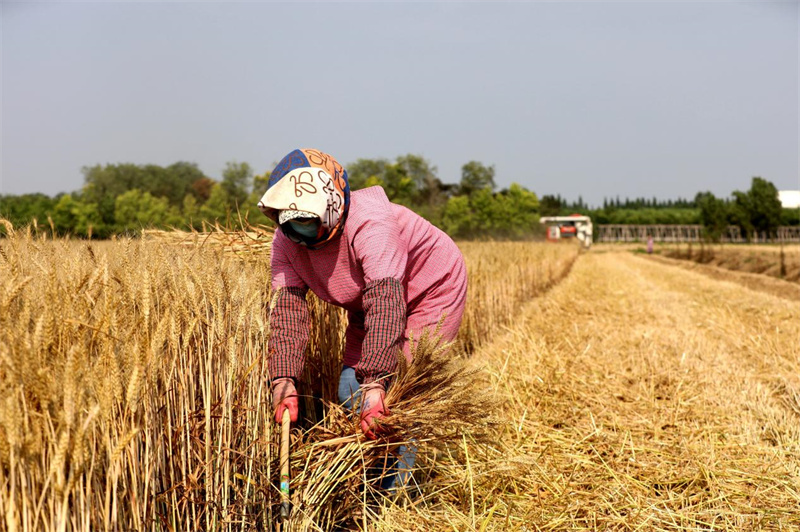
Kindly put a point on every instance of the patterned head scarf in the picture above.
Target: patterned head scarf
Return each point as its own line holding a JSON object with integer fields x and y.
{"x": 308, "y": 181}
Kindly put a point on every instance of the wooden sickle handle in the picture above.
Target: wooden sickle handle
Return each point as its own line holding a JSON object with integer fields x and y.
{"x": 286, "y": 424}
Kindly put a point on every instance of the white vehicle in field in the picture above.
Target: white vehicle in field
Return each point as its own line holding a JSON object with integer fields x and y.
{"x": 572, "y": 226}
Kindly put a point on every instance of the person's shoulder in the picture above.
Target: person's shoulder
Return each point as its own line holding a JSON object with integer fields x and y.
{"x": 369, "y": 196}
{"x": 369, "y": 203}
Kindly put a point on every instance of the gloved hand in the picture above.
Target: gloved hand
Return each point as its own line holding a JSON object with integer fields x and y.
{"x": 284, "y": 396}
{"x": 372, "y": 408}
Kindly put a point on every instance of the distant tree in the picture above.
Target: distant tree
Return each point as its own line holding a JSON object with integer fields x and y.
{"x": 790, "y": 217}
{"x": 157, "y": 181}
{"x": 218, "y": 206}
{"x": 476, "y": 176}
{"x": 427, "y": 187}
{"x": 410, "y": 180}
{"x": 765, "y": 214}
{"x": 416, "y": 167}
{"x": 522, "y": 211}
{"x": 136, "y": 210}
{"x": 73, "y": 216}
{"x": 399, "y": 186}
{"x": 757, "y": 210}
{"x": 644, "y": 216}
{"x": 512, "y": 213}
{"x": 178, "y": 181}
{"x": 739, "y": 213}
{"x": 551, "y": 205}
{"x": 103, "y": 184}
{"x": 201, "y": 188}
{"x": 457, "y": 218}
{"x": 63, "y": 217}
{"x": 260, "y": 184}
{"x": 360, "y": 172}
{"x": 713, "y": 215}
{"x": 236, "y": 181}
{"x": 23, "y": 209}
{"x": 190, "y": 212}
{"x": 110, "y": 180}
{"x": 485, "y": 212}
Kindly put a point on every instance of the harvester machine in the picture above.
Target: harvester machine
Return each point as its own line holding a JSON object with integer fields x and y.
{"x": 569, "y": 227}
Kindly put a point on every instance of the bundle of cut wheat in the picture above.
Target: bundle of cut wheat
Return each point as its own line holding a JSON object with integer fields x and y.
{"x": 251, "y": 238}
{"x": 434, "y": 402}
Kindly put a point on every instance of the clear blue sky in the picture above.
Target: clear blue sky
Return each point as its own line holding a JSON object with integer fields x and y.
{"x": 595, "y": 99}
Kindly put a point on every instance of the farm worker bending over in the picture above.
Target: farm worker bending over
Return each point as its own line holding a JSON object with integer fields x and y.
{"x": 393, "y": 272}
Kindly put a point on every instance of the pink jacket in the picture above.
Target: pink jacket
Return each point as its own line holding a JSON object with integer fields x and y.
{"x": 391, "y": 269}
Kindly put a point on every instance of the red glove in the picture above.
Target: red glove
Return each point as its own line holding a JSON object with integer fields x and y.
{"x": 372, "y": 408}
{"x": 284, "y": 396}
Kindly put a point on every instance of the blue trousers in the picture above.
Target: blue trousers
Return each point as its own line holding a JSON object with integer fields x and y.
{"x": 398, "y": 473}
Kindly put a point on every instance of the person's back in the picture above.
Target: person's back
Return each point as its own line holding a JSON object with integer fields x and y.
{"x": 387, "y": 239}
{"x": 380, "y": 240}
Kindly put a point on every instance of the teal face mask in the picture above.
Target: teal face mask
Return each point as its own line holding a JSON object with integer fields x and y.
{"x": 306, "y": 230}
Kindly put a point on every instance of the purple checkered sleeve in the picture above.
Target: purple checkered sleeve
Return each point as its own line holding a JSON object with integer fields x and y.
{"x": 289, "y": 326}
{"x": 385, "y": 324}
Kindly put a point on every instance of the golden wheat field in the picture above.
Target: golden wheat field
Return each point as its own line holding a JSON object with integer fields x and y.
{"x": 593, "y": 391}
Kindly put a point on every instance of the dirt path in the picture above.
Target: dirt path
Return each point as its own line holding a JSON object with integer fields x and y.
{"x": 642, "y": 396}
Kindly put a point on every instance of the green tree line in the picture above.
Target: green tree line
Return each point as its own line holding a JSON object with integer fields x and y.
{"x": 757, "y": 210}
{"x": 470, "y": 209}
{"x": 125, "y": 198}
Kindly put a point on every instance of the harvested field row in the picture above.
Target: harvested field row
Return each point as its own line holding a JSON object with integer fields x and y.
{"x": 638, "y": 397}
{"x": 782, "y": 262}
{"x": 754, "y": 281}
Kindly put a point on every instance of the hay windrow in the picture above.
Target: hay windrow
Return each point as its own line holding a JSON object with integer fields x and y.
{"x": 434, "y": 402}
{"x": 755, "y": 281}
{"x": 771, "y": 260}
{"x": 682, "y": 419}
{"x": 250, "y": 239}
